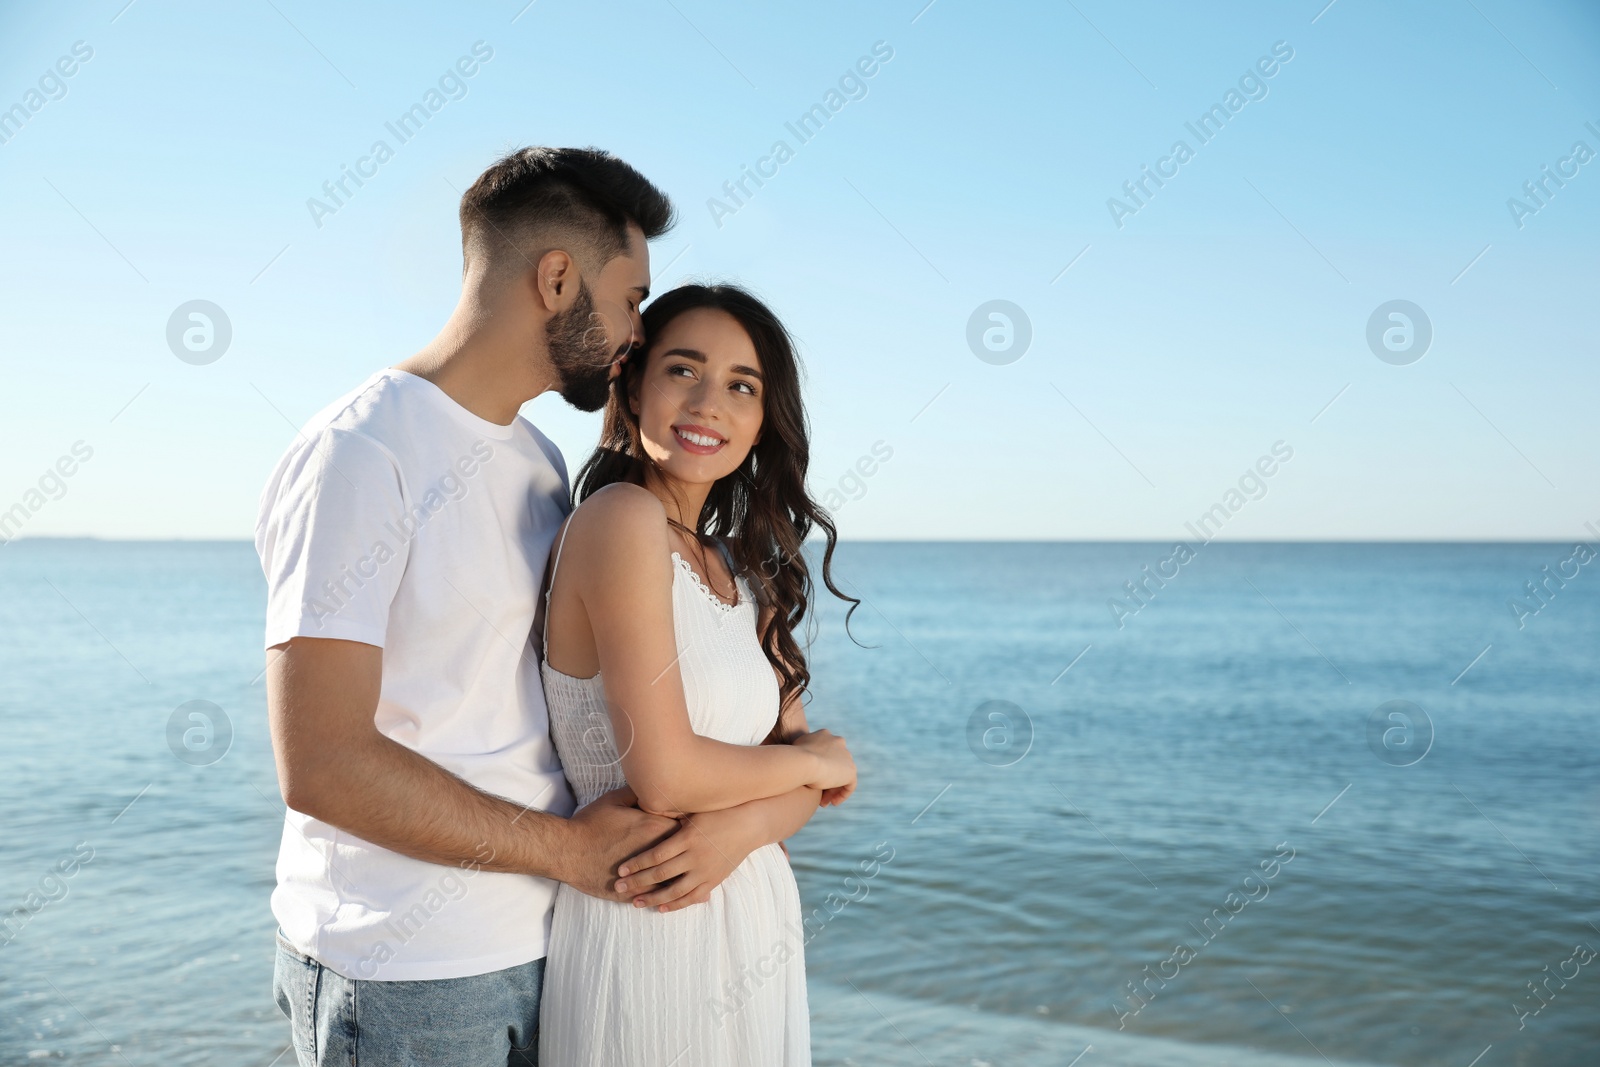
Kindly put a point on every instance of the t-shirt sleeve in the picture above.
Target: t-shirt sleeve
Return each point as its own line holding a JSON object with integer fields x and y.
{"x": 331, "y": 540}
{"x": 553, "y": 454}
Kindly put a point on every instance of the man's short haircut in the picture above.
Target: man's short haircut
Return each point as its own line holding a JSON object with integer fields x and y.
{"x": 562, "y": 195}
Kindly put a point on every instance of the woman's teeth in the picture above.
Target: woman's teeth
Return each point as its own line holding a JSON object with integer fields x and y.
{"x": 699, "y": 439}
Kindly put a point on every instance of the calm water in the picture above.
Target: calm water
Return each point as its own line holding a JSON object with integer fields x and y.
{"x": 1037, "y": 869}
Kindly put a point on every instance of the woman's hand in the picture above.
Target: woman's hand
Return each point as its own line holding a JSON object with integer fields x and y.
{"x": 837, "y": 796}
{"x": 686, "y": 867}
{"x": 837, "y": 776}
{"x": 604, "y": 834}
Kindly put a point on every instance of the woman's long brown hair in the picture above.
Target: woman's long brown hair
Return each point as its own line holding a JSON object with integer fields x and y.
{"x": 763, "y": 509}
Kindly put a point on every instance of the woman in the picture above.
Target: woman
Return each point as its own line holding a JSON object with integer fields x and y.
{"x": 670, "y": 656}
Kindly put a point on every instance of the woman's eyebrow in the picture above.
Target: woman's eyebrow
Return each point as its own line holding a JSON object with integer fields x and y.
{"x": 700, "y": 357}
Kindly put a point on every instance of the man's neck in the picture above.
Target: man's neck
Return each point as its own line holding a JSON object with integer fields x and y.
{"x": 479, "y": 363}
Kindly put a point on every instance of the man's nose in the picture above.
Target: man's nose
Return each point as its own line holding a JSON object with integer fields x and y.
{"x": 635, "y": 351}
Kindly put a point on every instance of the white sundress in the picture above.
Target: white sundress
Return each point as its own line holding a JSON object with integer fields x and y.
{"x": 720, "y": 984}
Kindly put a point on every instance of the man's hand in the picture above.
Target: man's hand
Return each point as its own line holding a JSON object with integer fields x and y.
{"x": 709, "y": 846}
{"x": 686, "y": 867}
{"x": 603, "y": 834}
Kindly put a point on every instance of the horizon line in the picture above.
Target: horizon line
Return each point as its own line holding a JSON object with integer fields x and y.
{"x": 97, "y": 539}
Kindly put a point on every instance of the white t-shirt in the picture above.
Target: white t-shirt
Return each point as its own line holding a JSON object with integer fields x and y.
{"x": 402, "y": 520}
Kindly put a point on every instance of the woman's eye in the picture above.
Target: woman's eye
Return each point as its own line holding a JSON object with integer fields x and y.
{"x": 683, "y": 367}
{"x": 749, "y": 389}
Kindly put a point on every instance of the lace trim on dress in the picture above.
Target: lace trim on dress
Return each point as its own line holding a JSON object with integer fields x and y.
{"x": 710, "y": 594}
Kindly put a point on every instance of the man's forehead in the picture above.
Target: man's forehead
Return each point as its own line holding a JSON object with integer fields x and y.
{"x": 636, "y": 247}
{"x": 634, "y": 264}
{"x": 639, "y": 247}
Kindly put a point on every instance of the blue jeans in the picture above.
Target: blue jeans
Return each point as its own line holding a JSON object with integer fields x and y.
{"x": 486, "y": 1020}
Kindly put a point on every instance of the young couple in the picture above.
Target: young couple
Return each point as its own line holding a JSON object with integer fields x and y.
{"x": 538, "y": 759}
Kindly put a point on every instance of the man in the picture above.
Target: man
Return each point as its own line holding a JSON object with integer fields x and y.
{"x": 404, "y": 537}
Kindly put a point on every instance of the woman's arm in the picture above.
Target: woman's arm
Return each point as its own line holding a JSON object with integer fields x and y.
{"x": 619, "y": 561}
{"x": 686, "y": 867}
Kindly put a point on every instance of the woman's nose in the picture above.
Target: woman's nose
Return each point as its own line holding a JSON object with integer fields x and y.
{"x": 704, "y": 401}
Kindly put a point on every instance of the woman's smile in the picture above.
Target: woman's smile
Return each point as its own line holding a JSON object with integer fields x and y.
{"x": 698, "y": 439}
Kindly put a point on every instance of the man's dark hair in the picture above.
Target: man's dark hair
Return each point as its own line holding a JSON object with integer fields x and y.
{"x": 579, "y": 195}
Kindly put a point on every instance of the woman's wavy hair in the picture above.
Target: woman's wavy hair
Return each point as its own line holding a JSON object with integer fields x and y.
{"x": 762, "y": 510}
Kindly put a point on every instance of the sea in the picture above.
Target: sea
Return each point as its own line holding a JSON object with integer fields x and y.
{"x": 1267, "y": 804}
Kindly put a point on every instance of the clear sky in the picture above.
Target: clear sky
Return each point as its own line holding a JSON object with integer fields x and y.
{"x": 1176, "y": 336}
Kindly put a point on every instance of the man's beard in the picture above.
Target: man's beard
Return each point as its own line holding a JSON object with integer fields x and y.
{"x": 581, "y": 354}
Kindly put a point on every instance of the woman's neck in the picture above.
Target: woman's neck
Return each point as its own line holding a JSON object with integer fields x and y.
{"x": 683, "y": 500}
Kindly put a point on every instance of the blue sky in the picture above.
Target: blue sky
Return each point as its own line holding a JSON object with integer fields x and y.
{"x": 1227, "y": 313}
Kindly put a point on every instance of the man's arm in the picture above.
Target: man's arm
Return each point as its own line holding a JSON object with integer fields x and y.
{"x": 334, "y": 765}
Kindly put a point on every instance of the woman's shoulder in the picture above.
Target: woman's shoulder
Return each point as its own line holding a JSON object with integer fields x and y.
{"x": 620, "y": 502}
{"x": 618, "y": 517}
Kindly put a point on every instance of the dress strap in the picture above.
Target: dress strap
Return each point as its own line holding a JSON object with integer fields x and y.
{"x": 551, "y": 585}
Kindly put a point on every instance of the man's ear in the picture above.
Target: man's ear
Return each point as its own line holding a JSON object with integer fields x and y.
{"x": 555, "y": 279}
